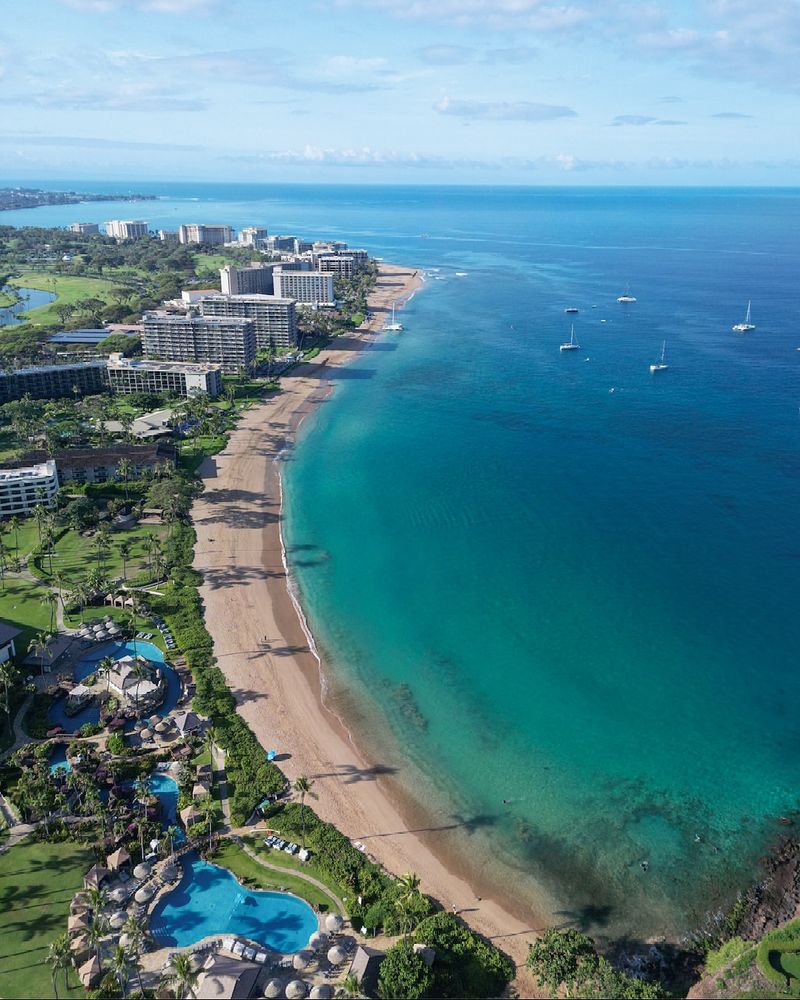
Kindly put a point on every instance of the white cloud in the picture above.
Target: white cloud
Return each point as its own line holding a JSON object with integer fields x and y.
{"x": 507, "y": 111}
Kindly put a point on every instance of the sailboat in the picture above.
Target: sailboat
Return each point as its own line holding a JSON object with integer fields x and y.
{"x": 660, "y": 365}
{"x": 571, "y": 346}
{"x": 747, "y": 326}
{"x": 627, "y": 297}
{"x": 393, "y": 326}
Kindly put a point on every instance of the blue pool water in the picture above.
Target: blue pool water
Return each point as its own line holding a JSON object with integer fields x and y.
{"x": 209, "y": 900}
{"x": 165, "y": 790}
{"x": 58, "y": 759}
{"x": 88, "y": 665}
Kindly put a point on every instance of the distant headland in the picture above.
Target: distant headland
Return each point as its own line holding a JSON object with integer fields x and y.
{"x": 15, "y": 197}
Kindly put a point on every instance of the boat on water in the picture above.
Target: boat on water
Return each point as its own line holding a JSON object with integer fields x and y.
{"x": 571, "y": 346}
{"x": 571, "y": 309}
{"x": 394, "y": 326}
{"x": 627, "y": 297}
{"x": 747, "y": 326}
{"x": 661, "y": 364}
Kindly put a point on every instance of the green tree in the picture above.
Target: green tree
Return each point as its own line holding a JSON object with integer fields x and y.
{"x": 124, "y": 469}
{"x": 403, "y": 974}
{"x": 40, "y": 646}
{"x": 8, "y": 675}
{"x": 124, "y": 549}
{"x": 181, "y": 975}
{"x": 121, "y": 967}
{"x": 59, "y": 958}
{"x": 50, "y": 600}
{"x": 303, "y": 787}
{"x": 349, "y": 988}
{"x": 207, "y": 808}
{"x": 562, "y": 958}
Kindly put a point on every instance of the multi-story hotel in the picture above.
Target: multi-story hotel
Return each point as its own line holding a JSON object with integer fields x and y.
{"x": 126, "y": 375}
{"x": 84, "y": 228}
{"x": 23, "y": 488}
{"x": 168, "y": 235}
{"x": 212, "y": 235}
{"x": 126, "y": 229}
{"x": 309, "y": 287}
{"x": 53, "y": 381}
{"x": 227, "y": 340}
{"x": 253, "y": 280}
{"x": 253, "y": 236}
{"x": 274, "y": 319}
{"x": 345, "y": 265}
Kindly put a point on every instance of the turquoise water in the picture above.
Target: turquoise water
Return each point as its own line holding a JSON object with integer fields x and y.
{"x": 87, "y": 666}
{"x": 58, "y": 759}
{"x": 166, "y": 791}
{"x": 531, "y": 588}
{"x": 209, "y": 901}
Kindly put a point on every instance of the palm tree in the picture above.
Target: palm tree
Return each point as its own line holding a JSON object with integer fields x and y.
{"x": 182, "y": 975}
{"x": 124, "y": 468}
{"x": 8, "y": 674}
{"x": 59, "y": 958}
{"x": 97, "y": 897}
{"x": 171, "y": 833}
{"x": 121, "y": 967}
{"x": 350, "y": 988}
{"x": 142, "y": 790}
{"x": 39, "y": 645}
{"x": 124, "y": 549}
{"x": 106, "y": 664}
{"x": 40, "y": 516}
{"x": 51, "y": 600}
{"x": 140, "y": 672}
{"x": 207, "y": 807}
{"x": 14, "y": 524}
{"x": 409, "y": 884}
{"x": 136, "y": 930}
{"x": 96, "y": 931}
{"x": 303, "y": 787}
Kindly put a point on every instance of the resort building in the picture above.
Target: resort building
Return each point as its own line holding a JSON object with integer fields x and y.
{"x": 126, "y": 375}
{"x": 276, "y": 244}
{"x": 253, "y": 280}
{"x": 309, "y": 287}
{"x": 135, "y": 681}
{"x": 344, "y": 265}
{"x": 253, "y": 236}
{"x": 7, "y": 636}
{"x": 192, "y": 296}
{"x": 25, "y": 486}
{"x": 53, "y": 381}
{"x": 126, "y": 229}
{"x": 84, "y": 228}
{"x": 274, "y": 319}
{"x": 168, "y": 235}
{"x": 227, "y": 339}
{"x": 211, "y": 235}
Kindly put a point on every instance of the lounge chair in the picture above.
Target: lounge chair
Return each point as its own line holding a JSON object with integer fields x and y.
{"x": 261, "y": 958}
{"x": 249, "y": 954}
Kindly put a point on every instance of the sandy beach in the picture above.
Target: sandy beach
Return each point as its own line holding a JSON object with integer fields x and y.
{"x": 263, "y": 648}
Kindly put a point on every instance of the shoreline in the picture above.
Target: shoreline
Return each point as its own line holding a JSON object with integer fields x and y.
{"x": 266, "y": 651}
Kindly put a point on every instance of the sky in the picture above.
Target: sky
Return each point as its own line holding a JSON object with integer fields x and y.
{"x": 403, "y": 91}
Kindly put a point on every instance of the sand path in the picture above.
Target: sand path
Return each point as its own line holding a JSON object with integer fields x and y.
{"x": 264, "y": 652}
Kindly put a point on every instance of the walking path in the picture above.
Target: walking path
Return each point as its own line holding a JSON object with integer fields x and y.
{"x": 288, "y": 871}
{"x": 20, "y": 736}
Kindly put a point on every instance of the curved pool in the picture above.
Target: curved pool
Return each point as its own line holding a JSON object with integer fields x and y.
{"x": 209, "y": 901}
{"x": 88, "y": 665}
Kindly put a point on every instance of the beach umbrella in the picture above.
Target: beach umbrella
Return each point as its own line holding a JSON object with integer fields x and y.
{"x": 336, "y": 955}
{"x": 142, "y": 870}
{"x": 274, "y": 988}
{"x": 117, "y": 895}
{"x": 154, "y": 720}
{"x": 319, "y": 939}
{"x": 118, "y": 919}
{"x": 145, "y": 894}
{"x": 125, "y": 940}
{"x": 334, "y": 923}
{"x": 97, "y": 628}
{"x": 296, "y": 990}
{"x": 301, "y": 960}
{"x": 146, "y": 734}
{"x": 321, "y": 992}
{"x": 163, "y": 726}
{"x": 272, "y": 754}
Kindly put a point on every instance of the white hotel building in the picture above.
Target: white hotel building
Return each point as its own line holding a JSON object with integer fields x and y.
{"x": 126, "y": 229}
{"x": 311, "y": 288}
{"x": 22, "y": 489}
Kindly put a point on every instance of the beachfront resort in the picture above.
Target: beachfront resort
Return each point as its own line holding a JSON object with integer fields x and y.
{"x": 149, "y": 842}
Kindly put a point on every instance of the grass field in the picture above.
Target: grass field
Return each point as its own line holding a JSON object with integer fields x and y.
{"x": 37, "y": 882}
{"x": 74, "y": 554}
{"x": 233, "y": 858}
{"x": 289, "y": 862}
{"x": 69, "y": 289}
{"x": 21, "y": 605}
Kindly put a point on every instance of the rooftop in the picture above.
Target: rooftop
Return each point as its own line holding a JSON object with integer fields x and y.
{"x": 140, "y": 364}
{"x": 38, "y": 470}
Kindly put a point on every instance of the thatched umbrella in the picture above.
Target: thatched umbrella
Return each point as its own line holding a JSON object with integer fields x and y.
{"x": 145, "y": 735}
{"x": 321, "y": 992}
{"x": 94, "y": 876}
{"x": 118, "y": 858}
{"x": 301, "y": 960}
{"x": 90, "y": 972}
{"x": 117, "y": 895}
{"x": 274, "y": 988}
{"x": 145, "y": 894}
{"x": 118, "y": 919}
{"x": 334, "y": 923}
{"x": 80, "y": 943}
{"x": 125, "y": 940}
{"x": 336, "y": 955}
{"x": 319, "y": 939}
{"x": 296, "y": 990}
{"x": 163, "y": 726}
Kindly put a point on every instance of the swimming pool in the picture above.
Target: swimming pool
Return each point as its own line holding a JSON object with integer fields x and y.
{"x": 209, "y": 900}
{"x": 165, "y": 790}
{"x": 58, "y": 759}
{"x": 88, "y": 665}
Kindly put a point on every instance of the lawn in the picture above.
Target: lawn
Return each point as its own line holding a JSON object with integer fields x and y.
{"x": 73, "y": 555}
{"x": 37, "y": 882}
{"x": 193, "y": 453}
{"x": 27, "y": 536}
{"x": 69, "y": 289}
{"x": 21, "y": 605}
{"x": 290, "y": 862}
{"x": 234, "y": 859}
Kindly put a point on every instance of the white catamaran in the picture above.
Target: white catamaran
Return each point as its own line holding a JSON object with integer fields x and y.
{"x": 393, "y": 326}
{"x": 627, "y": 297}
{"x": 571, "y": 346}
{"x": 747, "y": 326}
{"x": 660, "y": 365}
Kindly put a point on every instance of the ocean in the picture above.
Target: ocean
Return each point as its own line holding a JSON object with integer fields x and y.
{"x": 555, "y": 593}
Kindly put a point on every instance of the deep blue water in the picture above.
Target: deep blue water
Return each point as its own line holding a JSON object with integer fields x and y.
{"x": 531, "y": 588}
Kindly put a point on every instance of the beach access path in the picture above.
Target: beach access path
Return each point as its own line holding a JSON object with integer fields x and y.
{"x": 263, "y": 650}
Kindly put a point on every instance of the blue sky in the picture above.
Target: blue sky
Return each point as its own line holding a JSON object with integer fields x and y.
{"x": 459, "y": 91}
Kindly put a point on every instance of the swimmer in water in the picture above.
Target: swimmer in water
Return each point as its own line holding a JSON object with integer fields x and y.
{"x": 644, "y": 865}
